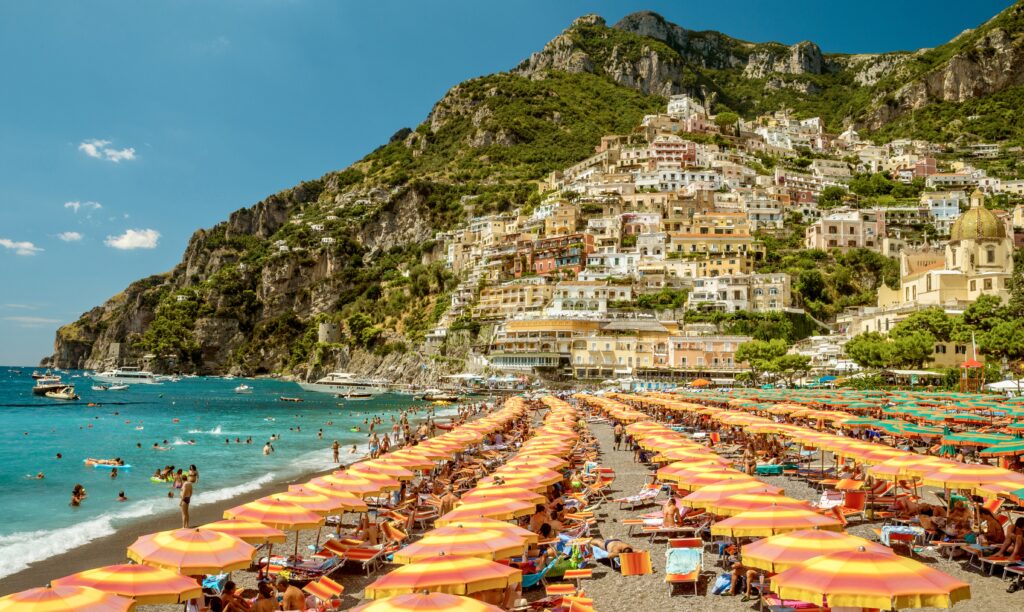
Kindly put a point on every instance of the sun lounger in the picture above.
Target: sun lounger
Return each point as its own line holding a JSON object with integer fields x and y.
{"x": 324, "y": 589}
{"x": 772, "y": 602}
{"x": 643, "y": 498}
{"x": 366, "y": 557}
{"x": 684, "y": 560}
{"x": 304, "y": 570}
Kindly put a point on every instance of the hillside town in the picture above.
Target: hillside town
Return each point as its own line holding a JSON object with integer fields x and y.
{"x": 633, "y": 257}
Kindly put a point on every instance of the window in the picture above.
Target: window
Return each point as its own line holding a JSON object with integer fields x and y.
{"x": 940, "y": 349}
{"x": 974, "y": 285}
{"x": 961, "y": 349}
{"x": 990, "y": 256}
{"x": 988, "y": 284}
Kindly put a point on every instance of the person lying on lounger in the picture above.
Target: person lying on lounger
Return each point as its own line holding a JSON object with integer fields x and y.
{"x": 612, "y": 546}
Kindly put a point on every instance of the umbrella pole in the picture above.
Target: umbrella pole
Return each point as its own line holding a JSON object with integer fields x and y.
{"x": 270, "y": 552}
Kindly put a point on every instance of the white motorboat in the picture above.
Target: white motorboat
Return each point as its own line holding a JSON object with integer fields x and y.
{"x": 437, "y": 395}
{"x": 46, "y": 384}
{"x": 346, "y": 384}
{"x": 66, "y": 392}
{"x": 243, "y": 388}
{"x": 126, "y": 376}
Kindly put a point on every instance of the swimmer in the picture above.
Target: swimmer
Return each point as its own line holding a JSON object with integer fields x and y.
{"x": 60, "y": 456}
{"x": 38, "y": 476}
{"x": 113, "y": 473}
{"x": 121, "y": 497}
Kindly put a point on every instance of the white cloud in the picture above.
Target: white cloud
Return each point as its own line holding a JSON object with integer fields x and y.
{"x": 76, "y": 205}
{"x": 20, "y": 306}
{"x": 134, "y": 239}
{"x": 100, "y": 149}
{"x": 32, "y": 321}
{"x": 20, "y": 248}
{"x": 69, "y": 236}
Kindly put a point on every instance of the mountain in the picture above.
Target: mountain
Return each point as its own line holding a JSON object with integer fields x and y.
{"x": 356, "y": 249}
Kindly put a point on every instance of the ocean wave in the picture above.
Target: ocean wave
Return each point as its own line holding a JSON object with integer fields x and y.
{"x": 215, "y": 431}
{"x": 202, "y": 498}
{"x": 19, "y": 550}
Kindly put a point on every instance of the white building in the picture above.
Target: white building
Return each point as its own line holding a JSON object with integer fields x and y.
{"x": 943, "y": 207}
{"x": 586, "y": 297}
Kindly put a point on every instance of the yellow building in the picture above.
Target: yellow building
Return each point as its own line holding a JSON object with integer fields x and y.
{"x": 561, "y": 221}
{"x": 537, "y": 343}
{"x": 622, "y": 347}
{"x": 517, "y": 297}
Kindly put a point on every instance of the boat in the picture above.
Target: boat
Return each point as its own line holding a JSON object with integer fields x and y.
{"x": 289, "y": 399}
{"x": 45, "y": 384}
{"x": 243, "y": 388}
{"x": 126, "y": 376}
{"x": 117, "y": 387}
{"x": 344, "y": 383}
{"x": 355, "y": 395}
{"x": 437, "y": 395}
{"x": 66, "y": 392}
{"x": 101, "y": 387}
{"x": 37, "y": 374}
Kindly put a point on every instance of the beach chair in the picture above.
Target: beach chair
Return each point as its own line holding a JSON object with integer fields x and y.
{"x": 684, "y": 560}
{"x": 393, "y": 536}
{"x": 532, "y": 580}
{"x": 307, "y": 570}
{"x": 635, "y": 563}
{"x": 646, "y": 496}
{"x": 351, "y": 551}
{"x": 324, "y": 589}
{"x": 902, "y": 542}
{"x": 853, "y": 505}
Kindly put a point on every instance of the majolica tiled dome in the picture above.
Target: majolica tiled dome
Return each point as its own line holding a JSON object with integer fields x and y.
{"x": 978, "y": 223}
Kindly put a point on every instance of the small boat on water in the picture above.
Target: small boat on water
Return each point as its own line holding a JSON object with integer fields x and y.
{"x": 243, "y": 388}
{"x": 289, "y": 399}
{"x": 45, "y": 384}
{"x": 64, "y": 393}
{"x": 126, "y": 375}
{"x": 437, "y": 395}
{"x": 341, "y": 383}
{"x": 109, "y": 387}
{"x": 37, "y": 374}
{"x": 355, "y": 395}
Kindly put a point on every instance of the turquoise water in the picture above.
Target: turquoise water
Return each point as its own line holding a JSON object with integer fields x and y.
{"x": 38, "y": 520}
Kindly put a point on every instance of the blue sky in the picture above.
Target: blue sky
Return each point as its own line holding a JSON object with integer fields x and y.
{"x": 125, "y": 126}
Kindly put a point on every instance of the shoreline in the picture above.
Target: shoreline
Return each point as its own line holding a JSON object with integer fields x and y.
{"x": 111, "y": 549}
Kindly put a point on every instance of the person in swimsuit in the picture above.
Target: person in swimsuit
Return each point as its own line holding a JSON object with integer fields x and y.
{"x": 186, "y": 497}
{"x": 614, "y": 547}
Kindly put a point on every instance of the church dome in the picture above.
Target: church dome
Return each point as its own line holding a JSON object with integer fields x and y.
{"x": 978, "y": 223}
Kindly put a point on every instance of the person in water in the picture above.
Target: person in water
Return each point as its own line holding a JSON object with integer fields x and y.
{"x": 121, "y": 497}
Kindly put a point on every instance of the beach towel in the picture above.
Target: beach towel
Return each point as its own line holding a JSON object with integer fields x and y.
{"x": 682, "y": 560}
{"x": 636, "y": 563}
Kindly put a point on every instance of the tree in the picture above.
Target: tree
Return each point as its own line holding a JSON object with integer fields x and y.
{"x": 1005, "y": 340}
{"x": 831, "y": 197}
{"x": 726, "y": 119}
{"x": 760, "y": 355}
{"x": 932, "y": 320}
{"x": 913, "y": 349}
{"x": 791, "y": 367}
{"x": 868, "y": 350}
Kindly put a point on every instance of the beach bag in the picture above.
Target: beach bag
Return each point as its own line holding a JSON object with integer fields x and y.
{"x": 722, "y": 584}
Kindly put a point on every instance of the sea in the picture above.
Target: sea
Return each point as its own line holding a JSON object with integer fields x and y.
{"x": 200, "y": 421}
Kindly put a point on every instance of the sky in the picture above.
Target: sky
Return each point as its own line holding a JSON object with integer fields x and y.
{"x": 125, "y": 125}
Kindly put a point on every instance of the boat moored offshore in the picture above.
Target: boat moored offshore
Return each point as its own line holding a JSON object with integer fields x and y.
{"x": 346, "y": 384}
{"x": 126, "y": 376}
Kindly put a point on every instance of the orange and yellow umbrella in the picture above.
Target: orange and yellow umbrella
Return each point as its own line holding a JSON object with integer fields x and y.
{"x": 339, "y": 500}
{"x": 466, "y": 541}
{"x": 64, "y": 598}
{"x": 538, "y": 461}
{"x": 781, "y": 552}
{"x": 697, "y": 482}
{"x": 963, "y": 476}
{"x": 192, "y": 551}
{"x": 504, "y": 492}
{"x": 379, "y": 466}
{"x": 501, "y": 509}
{"x": 441, "y": 602}
{"x": 276, "y": 513}
{"x": 247, "y": 531}
{"x": 444, "y": 574}
{"x": 770, "y": 521}
{"x": 714, "y": 493}
{"x": 408, "y": 460}
{"x": 864, "y": 579}
{"x": 541, "y": 475}
{"x": 145, "y": 584}
{"x": 492, "y": 524}
{"x": 741, "y": 502}
{"x": 356, "y": 484}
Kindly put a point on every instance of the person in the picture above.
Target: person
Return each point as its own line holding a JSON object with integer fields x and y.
{"x": 267, "y": 448}
{"x": 992, "y": 532}
{"x": 1011, "y": 546}
{"x": 670, "y": 514}
{"x": 231, "y": 601}
{"x": 612, "y": 546}
{"x": 121, "y": 497}
{"x": 617, "y": 432}
{"x": 540, "y": 518}
{"x": 740, "y": 573}
{"x": 193, "y": 473}
{"x": 266, "y": 601}
{"x": 113, "y": 473}
{"x": 78, "y": 494}
{"x": 292, "y": 598}
{"x": 750, "y": 460}
{"x": 39, "y": 476}
{"x": 335, "y": 449}
{"x": 186, "y": 498}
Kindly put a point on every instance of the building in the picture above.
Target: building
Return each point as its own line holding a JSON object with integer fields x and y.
{"x": 847, "y": 228}
{"x": 587, "y": 298}
{"x": 705, "y": 353}
{"x": 943, "y": 208}
{"x": 519, "y": 297}
{"x": 753, "y": 292}
{"x": 538, "y": 344}
{"x": 561, "y": 221}
{"x": 621, "y": 347}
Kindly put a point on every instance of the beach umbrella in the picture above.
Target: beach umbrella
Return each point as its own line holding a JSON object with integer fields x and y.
{"x": 781, "y": 552}
{"x": 504, "y": 492}
{"x": 64, "y": 598}
{"x": 769, "y": 521}
{"x": 741, "y": 502}
{"x": 356, "y": 484}
{"x": 897, "y": 467}
{"x": 500, "y": 509}
{"x": 441, "y": 602}
{"x": 463, "y": 541}
{"x": 276, "y": 513}
{"x": 192, "y": 551}
{"x": 313, "y": 501}
{"x": 408, "y": 460}
{"x": 383, "y": 481}
{"x": 444, "y": 574}
{"x": 340, "y": 500}
{"x": 1011, "y": 448}
{"x": 714, "y": 493}
{"x": 145, "y": 584}
{"x": 695, "y": 482}
{"x": 964, "y": 476}
{"x": 541, "y": 475}
{"x": 494, "y": 524}
{"x": 379, "y": 466}
{"x": 865, "y": 579}
{"x": 498, "y": 480}
{"x": 538, "y": 461}
{"x": 248, "y": 531}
